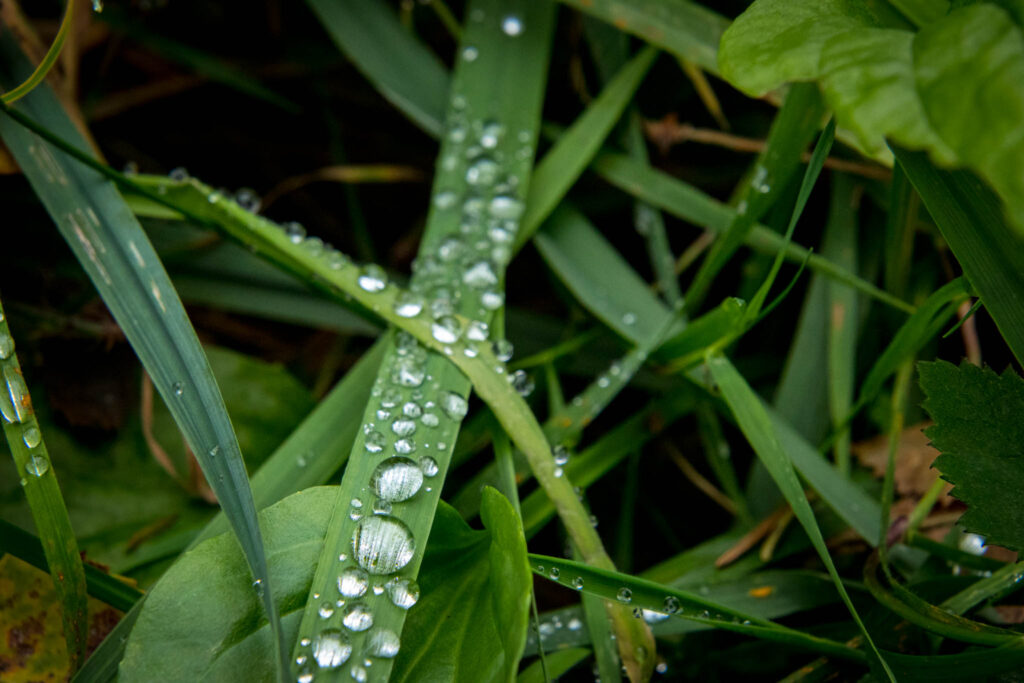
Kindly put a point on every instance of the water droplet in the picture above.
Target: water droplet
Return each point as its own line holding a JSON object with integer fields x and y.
{"x": 480, "y": 275}
{"x": 373, "y": 278}
{"x": 374, "y": 442}
{"x": 6, "y": 346}
{"x": 492, "y": 300}
{"x": 97, "y": 6}
{"x": 248, "y": 199}
{"x": 359, "y": 674}
{"x": 503, "y": 350}
{"x": 403, "y": 427}
{"x": 561, "y": 455}
{"x": 429, "y": 466}
{"x": 331, "y": 648}
{"x": 671, "y": 605}
{"x": 624, "y": 595}
{"x": 554, "y": 573}
{"x": 490, "y": 134}
{"x": 445, "y": 199}
{"x": 37, "y": 466}
{"x": 454, "y": 405}
{"x": 403, "y": 592}
{"x": 470, "y": 53}
{"x": 483, "y": 171}
{"x": 178, "y": 174}
{"x": 577, "y": 583}
{"x": 446, "y": 329}
{"x": 15, "y": 404}
{"x": 506, "y": 206}
{"x": 257, "y": 587}
{"x": 383, "y": 643}
{"x": 178, "y": 388}
{"x": 521, "y": 382}
{"x": 408, "y": 305}
{"x": 390, "y": 398}
{"x": 326, "y": 610}
{"x": 629, "y": 318}
{"x": 294, "y": 231}
{"x": 382, "y": 544}
{"x": 31, "y": 437}
{"x": 652, "y": 617}
{"x": 357, "y": 617}
{"x": 430, "y": 419}
{"x": 405, "y": 446}
{"x": 397, "y": 479}
{"x": 512, "y": 25}
{"x": 352, "y": 582}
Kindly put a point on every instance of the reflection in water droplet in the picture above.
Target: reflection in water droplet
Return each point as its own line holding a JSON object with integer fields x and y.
{"x": 31, "y": 437}
{"x": 397, "y": 479}
{"x": 403, "y": 592}
{"x": 429, "y": 466}
{"x": 383, "y": 643}
{"x": 331, "y": 648}
{"x": 446, "y": 329}
{"x": 326, "y": 610}
{"x": 477, "y": 331}
{"x": 357, "y": 617}
{"x": 408, "y": 305}
{"x": 624, "y": 595}
{"x": 382, "y": 544}
{"x": 652, "y": 617}
{"x": 352, "y": 582}
{"x": 373, "y": 278}
{"x": 454, "y": 405}
{"x": 672, "y": 605}
{"x": 480, "y": 275}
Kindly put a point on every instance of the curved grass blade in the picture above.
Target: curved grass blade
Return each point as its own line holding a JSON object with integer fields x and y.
{"x": 565, "y": 161}
{"x": 406, "y": 72}
{"x": 753, "y": 421}
{"x": 686, "y": 29}
{"x": 49, "y": 59}
{"x": 687, "y": 202}
{"x": 662, "y": 602}
{"x": 39, "y": 481}
{"x": 974, "y": 224}
{"x": 120, "y": 261}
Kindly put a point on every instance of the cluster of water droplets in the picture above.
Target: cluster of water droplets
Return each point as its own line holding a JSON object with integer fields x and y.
{"x": 16, "y": 407}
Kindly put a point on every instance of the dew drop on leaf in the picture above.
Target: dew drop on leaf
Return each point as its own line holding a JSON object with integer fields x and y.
{"x": 382, "y": 544}
{"x": 331, "y": 648}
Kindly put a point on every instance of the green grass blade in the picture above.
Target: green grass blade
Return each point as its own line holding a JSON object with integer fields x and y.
{"x": 793, "y": 128}
{"x": 125, "y": 269}
{"x": 565, "y": 161}
{"x": 405, "y": 71}
{"x": 687, "y": 202}
{"x": 666, "y": 601}
{"x": 756, "y": 426}
{"x": 557, "y": 664}
{"x": 686, "y": 29}
{"x": 39, "y": 482}
{"x": 100, "y": 585}
{"x": 49, "y": 59}
{"x": 973, "y": 223}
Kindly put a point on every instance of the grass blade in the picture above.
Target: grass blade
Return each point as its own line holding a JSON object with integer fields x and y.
{"x": 973, "y": 223}
{"x": 39, "y": 482}
{"x": 753, "y": 421}
{"x": 405, "y": 71}
{"x": 122, "y": 264}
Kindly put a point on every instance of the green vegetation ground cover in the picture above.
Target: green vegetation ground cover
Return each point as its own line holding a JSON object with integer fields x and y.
{"x": 664, "y": 348}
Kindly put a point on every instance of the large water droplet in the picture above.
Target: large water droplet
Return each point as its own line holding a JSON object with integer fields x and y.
{"x": 408, "y": 305}
{"x": 672, "y": 605}
{"x": 477, "y": 330}
{"x": 6, "y": 346}
{"x": 454, "y": 405}
{"x": 353, "y": 582}
{"x": 652, "y": 617}
{"x": 403, "y": 592}
{"x": 446, "y": 329}
{"x": 397, "y": 479}
{"x": 383, "y": 643}
{"x": 37, "y": 466}
{"x": 503, "y": 350}
{"x": 373, "y": 278}
{"x": 15, "y": 404}
{"x": 412, "y": 409}
{"x": 357, "y": 617}
{"x": 31, "y": 437}
{"x": 382, "y": 544}
{"x": 409, "y": 372}
{"x": 331, "y": 648}
{"x": 405, "y": 446}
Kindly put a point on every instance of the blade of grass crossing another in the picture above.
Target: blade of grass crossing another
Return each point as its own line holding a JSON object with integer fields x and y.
{"x": 39, "y": 482}
{"x": 757, "y": 428}
{"x": 120, "y": 261}
{"x": 492, "y": 117}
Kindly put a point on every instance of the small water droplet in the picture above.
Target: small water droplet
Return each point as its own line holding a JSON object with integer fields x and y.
{"x": 430, "y": 419}
{"x": 331, "y": 648}
{"x": 326, "y": 610}
{"x": 477, "y": 330}
{"x": 397, "y": 479}
{"x": 512, "y": 25}
{"x": 6, "y": 346}
{"x": 577, "y": 583}
{"x": 294, "y": 231}
{"x": 405, "y": 446}
{"x": 671, "y": 605}
{"x": 554, "y": 573}
{"x": 506, "y": 206}
{"x": 178, "y": 388}
{"x": 352, "y": 582}
{"x": 492, "y": 300}
{"x": 629, "y": 318}
{"x": 37, "y": 466}
{"x": 257, "y": 587}
{"x": 31, "y": 437}
{"x": 521, "y": 382}
{"x": 652, "y": 617}
{"x": 178, "y": 174}
{"x": 357, "y": 617}
{"x": 373, "y": 278}
{"x": 248, "y": 199}
{"x": 382, "y": 544}
{"x": 446, "y": 329}
{"x": 470, "y": 53}
{"x": 445, "y": 199}
{"x": 383, "y": 643}
{"x": 624, "y": 595}
{"x": 561, "y": 455}
{"x": 403, "y": 592}
{"x": 403, "y": 427}
{"x": 359, "y": 674}
{"x": 491, "y": 134}
{"x": 374, "y": 442}
{"x": 483, "y": 171}
{"x": 429, "y": 466}
{"x": 480, "y": 275}
{"x": 454, "y": 405}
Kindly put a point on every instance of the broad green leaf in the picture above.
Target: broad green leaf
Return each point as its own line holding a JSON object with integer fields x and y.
{"x": 481, "y": 582}
{"x": 38, "y": 480}
{"x": 686, "y": 29}
{"x": 123, "y": 266}
{"x": 980, "y": 435}
{"x": 203, "y": 622}
{"x": 405, "y": 71}
{"x": 760, "y": 432}
{"x": 955, "y": 88}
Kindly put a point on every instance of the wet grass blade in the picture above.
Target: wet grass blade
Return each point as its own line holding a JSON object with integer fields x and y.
{"x": 687, "y": 202}
{"x": 405, "y": 71}
{"x": 39, "y": 482}
{"x": 120, "y": 261}
{"x": 756, "y": 426}
{"x": 571, "y": 154}
{"x": 663, "y": 602}
{"x": 686, "y": 29}
{"x": 973, "y": 223}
